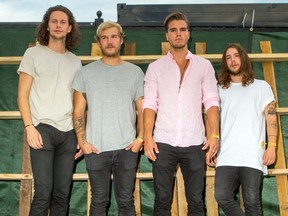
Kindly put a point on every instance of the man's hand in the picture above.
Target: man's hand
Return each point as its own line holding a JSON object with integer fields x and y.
{"x": 211, "y": 147}
{"x": 135, "y": 146}
{"x": 34, "y": 138}
{"x": 150, "y": 148}
{"x": 88, "y": 148}
{"x": 269, "y": 156}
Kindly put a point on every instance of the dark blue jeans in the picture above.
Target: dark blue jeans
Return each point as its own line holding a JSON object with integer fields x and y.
{"x": 227, "y": 182}
{"x": 52, "y": 168}
{"x": 192, "y": 163}
{"x": 122, "y": 163}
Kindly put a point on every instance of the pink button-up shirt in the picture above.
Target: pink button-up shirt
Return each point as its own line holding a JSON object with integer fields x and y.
{"x": 179, "y": 119}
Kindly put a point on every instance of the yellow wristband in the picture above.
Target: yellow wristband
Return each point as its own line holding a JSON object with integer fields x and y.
{"x": 216, "y": 136}
{"x": 272, "y": 144}
{"x": 141, "y": 140}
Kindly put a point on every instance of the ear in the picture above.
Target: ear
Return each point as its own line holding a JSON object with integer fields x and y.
{"x": 69, "y": 29}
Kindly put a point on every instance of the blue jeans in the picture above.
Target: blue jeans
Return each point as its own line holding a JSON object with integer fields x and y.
{"x": 52, "y": 168}
{"x": 122, "y": 163}
{"x": 227, "y": 182}
{"x": 192, "y": 163}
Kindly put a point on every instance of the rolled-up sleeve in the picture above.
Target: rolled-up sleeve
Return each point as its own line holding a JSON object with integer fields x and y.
{"x": 209, "y": 89}
{"x": 150, "y": 90}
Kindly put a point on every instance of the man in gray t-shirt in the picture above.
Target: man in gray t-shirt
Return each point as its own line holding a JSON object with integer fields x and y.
{"x": 110, "y": 92}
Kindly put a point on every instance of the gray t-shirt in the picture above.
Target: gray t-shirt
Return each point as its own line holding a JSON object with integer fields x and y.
{"x": 111, "y": 93}
{"x": 51, "y": 95}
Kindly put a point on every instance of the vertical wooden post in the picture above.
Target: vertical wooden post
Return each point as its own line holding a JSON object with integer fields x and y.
{"x": 269, "y": 75}
{"x": 95, "y": 50}
{"x": 211, "y": 204}
{"x": 25, "y": 194}
{"x": 88, "y": 196}
{"x": 165, "y": 47}
{"x": 130, "y": 48}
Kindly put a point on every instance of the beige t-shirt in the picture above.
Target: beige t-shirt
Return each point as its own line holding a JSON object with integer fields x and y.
{"x": 51, "y": 93}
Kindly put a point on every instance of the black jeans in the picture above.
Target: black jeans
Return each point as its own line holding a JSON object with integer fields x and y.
{"x": 122, "y": 163}
{"x": 227, "y": 181}
{"x": 192, "y": 163}
{"x": 52, "y": 168}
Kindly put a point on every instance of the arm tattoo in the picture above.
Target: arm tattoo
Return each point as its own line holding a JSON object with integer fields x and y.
{"x": 272, "y": 108}
{"x": 79, "y": 125}
{"x": 274, "y": 124}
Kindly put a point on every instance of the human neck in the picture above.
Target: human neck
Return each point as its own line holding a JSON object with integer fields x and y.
{"x": 113, "y": 61}
{"x": 236, "y": 78}
{"x": 179, "y": 54}
{"x": 57, "y": 46}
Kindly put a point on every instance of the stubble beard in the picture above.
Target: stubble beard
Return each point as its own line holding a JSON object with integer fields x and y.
{"x": 111, "y": 55}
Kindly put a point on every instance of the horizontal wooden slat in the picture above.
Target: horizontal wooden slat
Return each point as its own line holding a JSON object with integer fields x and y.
{"x": 143, "y": 59}
{"x": 141, "y": 176}
{"x": 10, "y": 115}
{"x": 16, "y": 114}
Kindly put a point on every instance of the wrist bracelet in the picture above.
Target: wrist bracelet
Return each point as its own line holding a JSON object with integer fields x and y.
{"x": 141, "y": 140}
{"x": 28, "y": 125}
{"x": 216, "y": 136}
{"x": 272, "y": 144}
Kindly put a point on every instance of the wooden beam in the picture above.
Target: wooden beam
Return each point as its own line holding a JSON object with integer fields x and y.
{"x": 144, "y": 59}
{"x": 17, "y": 115}
{"x": 282, "y": 186}
{"x": 146, "y": 176}
{"x": 130, "y": 48}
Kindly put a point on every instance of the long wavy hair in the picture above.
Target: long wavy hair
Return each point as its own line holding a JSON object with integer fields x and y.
{"x": 72, "y": 38}
{"x": 224, "y": 79}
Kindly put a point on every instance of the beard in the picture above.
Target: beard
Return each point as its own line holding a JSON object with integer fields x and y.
{"x": 235, "y": 72}
{"x": 115, "y": 53}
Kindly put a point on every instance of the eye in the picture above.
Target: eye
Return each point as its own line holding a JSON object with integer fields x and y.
{"x": 183, "y": 29}
{"x": 103, "y": 37}
{"x": 228, "y": 57}
{"x": 115, "y": 36}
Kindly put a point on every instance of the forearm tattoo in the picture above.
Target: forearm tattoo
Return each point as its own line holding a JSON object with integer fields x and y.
{"x": 272, "y": 111}
{"x": 79, "y": 125}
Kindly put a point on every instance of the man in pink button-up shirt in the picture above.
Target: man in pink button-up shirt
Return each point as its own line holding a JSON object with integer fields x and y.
{"x": 176, "y": 87}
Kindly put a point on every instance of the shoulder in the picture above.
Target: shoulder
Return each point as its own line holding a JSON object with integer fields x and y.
{"x": 132, "y": 67}
{"x": 72, "y": 55}
{"x": 92, "y": 66}
{"x": 198, "y": 59}
{"x": 260, "y": 84}
{"x": 35, "y": 49}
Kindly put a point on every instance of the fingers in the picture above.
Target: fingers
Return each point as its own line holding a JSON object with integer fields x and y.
{"x": 151, "y": 155}
{"x": 211, "y": 161}
{"x": 206, "y": 145}
{"x": 78, "y": 154}
{"x": 35, "y": 143}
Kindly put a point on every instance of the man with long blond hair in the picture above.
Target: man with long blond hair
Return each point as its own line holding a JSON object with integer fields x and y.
{"x": 247, "y": 106}
{"x": 111, "y": 90}
{"x": 46, "y": 73}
